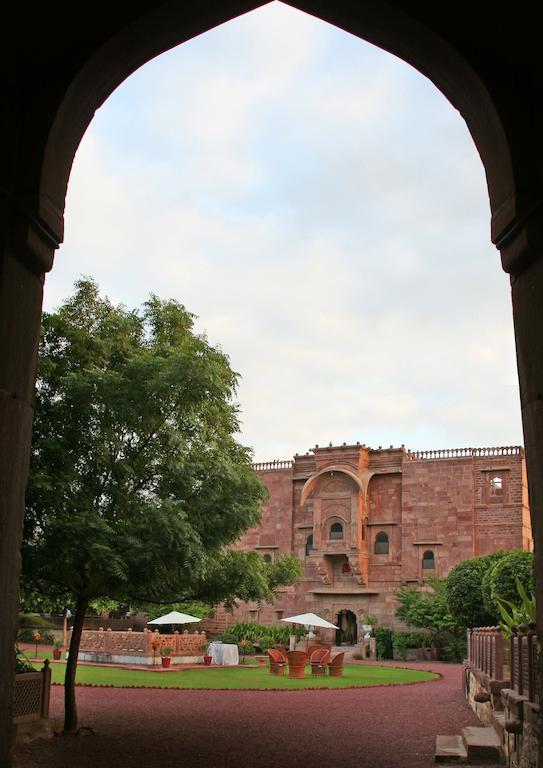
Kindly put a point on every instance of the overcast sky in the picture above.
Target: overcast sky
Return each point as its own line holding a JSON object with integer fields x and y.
{"x": 322, "y": 208}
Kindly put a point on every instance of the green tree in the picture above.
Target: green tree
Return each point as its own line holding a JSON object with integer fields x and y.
{"x": 464, "y": 591}
{"x": 137, "y": 486}
{"x": 500, "y": 581}
{"x": 428, "y": 609}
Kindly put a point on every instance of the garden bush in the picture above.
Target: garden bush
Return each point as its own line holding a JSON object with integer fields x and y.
{"x": 465, "y": 594}
{"x": 385, "y": 642}
{"x": 403, "y": 640}
{"x": 500, "y": 580}
{"x": 27, "y": 636}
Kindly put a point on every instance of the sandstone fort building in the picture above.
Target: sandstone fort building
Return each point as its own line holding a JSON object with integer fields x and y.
{"x": 366, "y": 522}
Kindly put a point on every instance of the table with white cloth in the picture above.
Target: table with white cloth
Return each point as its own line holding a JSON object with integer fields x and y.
{"x": 224, "y": 654}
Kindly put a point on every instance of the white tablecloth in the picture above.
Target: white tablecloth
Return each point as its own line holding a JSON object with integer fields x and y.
{"x": 223, "y": 654}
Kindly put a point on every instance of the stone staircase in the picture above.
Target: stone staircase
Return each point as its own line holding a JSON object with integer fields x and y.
{"x": 478, "y": 745}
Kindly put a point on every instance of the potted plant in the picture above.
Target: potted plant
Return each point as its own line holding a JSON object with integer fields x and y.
{"x": 207, "y": 657}
{"x": 57, "y": 650}
{"x": 166, "y": 652}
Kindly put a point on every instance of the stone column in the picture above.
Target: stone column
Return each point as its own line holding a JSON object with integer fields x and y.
{"x": 21, "y": 291}
{"x": 522, "y": 256}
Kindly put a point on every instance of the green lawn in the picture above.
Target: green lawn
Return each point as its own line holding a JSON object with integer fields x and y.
{"x": 241, "y": 678}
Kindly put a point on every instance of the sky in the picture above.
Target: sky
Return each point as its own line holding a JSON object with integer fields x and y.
{"x": 322, "y": 209}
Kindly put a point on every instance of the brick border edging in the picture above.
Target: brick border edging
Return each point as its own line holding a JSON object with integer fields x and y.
{"x": 438, "y": 676}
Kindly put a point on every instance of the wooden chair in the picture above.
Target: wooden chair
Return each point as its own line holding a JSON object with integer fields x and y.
{"x": 278, "y": 661}
{"x": 319, "y": 661}
{"x": 335, "y": 667}
{"x": 296, "y": 663}
{"x": 316, "y": 647}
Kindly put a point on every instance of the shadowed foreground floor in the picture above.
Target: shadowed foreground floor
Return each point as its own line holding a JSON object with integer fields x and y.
{"x": 377, "y": 727}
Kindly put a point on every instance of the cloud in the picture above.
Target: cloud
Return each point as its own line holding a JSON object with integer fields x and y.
{"x": 323, "y": 210}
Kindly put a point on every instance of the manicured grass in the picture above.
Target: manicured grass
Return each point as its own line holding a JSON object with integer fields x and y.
{"x": 241, "y": 678}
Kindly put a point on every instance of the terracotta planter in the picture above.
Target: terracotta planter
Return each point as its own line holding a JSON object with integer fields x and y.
{"x": 207, "y": 660}
{"x": 57, "y": 654}
{"x": 166, "y": 661}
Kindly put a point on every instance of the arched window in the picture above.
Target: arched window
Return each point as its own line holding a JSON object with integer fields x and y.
{"x": 381, "y": 544}
{"x": 267, "y": 558}
{"x": 496, "y": 485}
{"x": 308, "y": 544}
{"x": 336, "y": 531}
{"x": 428, "y": 560}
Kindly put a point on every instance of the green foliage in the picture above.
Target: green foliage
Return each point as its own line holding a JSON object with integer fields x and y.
{"x": 28, "y": 636}
{"x": 34, "y": 621}
{"x": 429, "y": 610}
{"x": 454, "y": 648}
{"x": 385, "y": 642}
{"x": 402, "y": 641}
{"x": 166, "y": 651}
{"x": 512, "y": 614}
{"x": 259, "y": 633}
{"x": 464, "y": 591}
{"x": 501, "y": 579}
{"x": 22, "y": 665}
{"x": 137, "y": 486}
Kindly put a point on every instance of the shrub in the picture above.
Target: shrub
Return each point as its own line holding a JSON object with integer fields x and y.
{"x": 385, "y": 642}
{"x": 265, "y": 642}
{"x": 454, "y": 649}
{"x": 464, "y": 591}
{"x": 500, "y": 579}
{"x": 358, "y": 655}
{"x": 33, "y": 620}
{"x": 402, "y": 641}
{"x": 166, "y": 650}
{"x": 251, "y": 630}
{"x": 28, "y": 636}
{"x": 21, "y": 664}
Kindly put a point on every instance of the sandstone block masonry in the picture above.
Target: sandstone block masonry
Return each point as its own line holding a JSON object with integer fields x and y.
{"x": 366, "y": 522}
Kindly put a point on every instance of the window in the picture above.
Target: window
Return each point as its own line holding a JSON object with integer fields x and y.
{"x": 496, "y": 485}
{"x": 308, "y": 544}
{"x": 336, "y": 531}
{"x": 279, "y": 615}
{"x": 267, "y": 558}
{"x": 428, "y": 561}
{"x": 381, "y": 544}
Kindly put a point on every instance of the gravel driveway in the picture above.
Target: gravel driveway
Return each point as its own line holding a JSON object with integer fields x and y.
{"x": 385, "y": 727}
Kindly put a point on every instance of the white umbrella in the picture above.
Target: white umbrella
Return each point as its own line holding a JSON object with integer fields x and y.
{"x": 310, "y": 620}
{"x": 175, "y": 617}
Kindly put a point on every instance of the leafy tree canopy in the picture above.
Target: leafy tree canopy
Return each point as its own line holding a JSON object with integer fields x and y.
{"x": 427, "y": 609}
{"x": 137, "y": 484}
{"x": 464, "y": 591}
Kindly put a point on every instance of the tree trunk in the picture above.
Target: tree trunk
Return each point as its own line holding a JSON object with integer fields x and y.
{"x": 70, "y": 709}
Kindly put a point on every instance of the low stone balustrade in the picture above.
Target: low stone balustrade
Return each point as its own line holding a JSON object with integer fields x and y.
{"x": 128, "y": 647}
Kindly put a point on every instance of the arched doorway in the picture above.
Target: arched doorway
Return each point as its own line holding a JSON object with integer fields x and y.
{"x": 347, "y": 634}
{"x": 51, "y": 99}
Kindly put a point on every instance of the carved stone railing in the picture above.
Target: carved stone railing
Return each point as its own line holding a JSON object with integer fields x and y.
{"x": 523, "y": 661}
{"x": 485, "y": 651}
{"x": 31, "y": 695}
{"x": 266, "y": 466}
{"x": 457, "y": 453}
{"x": 108, "y": 643}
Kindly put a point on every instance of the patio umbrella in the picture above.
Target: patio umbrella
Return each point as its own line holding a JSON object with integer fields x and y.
{"x": 175, "y": 617}
{"x": 310, "y": 620}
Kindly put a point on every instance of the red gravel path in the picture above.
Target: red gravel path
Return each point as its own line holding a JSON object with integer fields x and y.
{"x": 386, "y": 727}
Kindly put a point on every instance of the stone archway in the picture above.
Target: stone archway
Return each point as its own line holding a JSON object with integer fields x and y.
{"x": 347, "y": 634}
{"x": 51, "y": 94}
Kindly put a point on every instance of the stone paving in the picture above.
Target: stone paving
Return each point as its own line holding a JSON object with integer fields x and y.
{"x": 381, "y": 727}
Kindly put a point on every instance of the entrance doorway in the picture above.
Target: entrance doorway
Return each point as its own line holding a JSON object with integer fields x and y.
{"x": 347, "y": 634}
